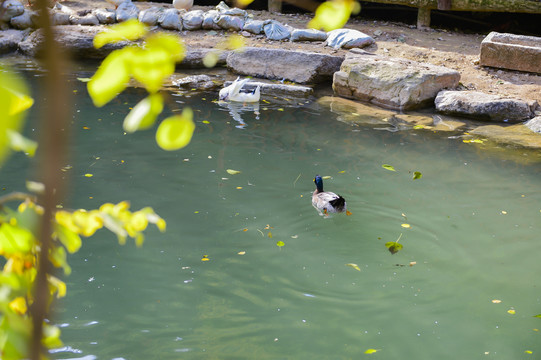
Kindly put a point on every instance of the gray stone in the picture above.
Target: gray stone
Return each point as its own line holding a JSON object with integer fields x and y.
{"x": 88, "y": 19}
{"x": 348, "y": 39}
{"x": 171, "y": 19}
{"x": 298, "y": 66}
{"x": 392, "y": 83}
{"x": 509, "y": 51}
{"x": 308, "y": 35}
{"x": 274, "y": 30}
{"x": 24, "y": 21}
{"x": 483, "y": 106}
{"x": 77, "y": 39}
{"x": 534, "y": 124}
{"x": 10, "y": 39}
{"x": 209, "y": 20}
{"x": 10, "y": 9}
{"x": 151, "y": 15}
{"x": 230, "y": 22}
{"x": 193, "y": 20}
{"x": 194, "y": 58}
{"x": 105, "y": 16}
{"x": 60, "y": 18}
{"x": 127, "y": 10}
{"x": 254, "y": 26}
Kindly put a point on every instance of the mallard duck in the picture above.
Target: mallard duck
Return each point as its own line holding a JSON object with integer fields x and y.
{"x": 325, "y": 201}
{"x": 183, "y": 4}
{"x": 233, "y": 92}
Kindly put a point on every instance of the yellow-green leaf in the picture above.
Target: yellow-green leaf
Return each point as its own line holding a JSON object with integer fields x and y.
{"x": 280, "y": 243}
{"x": 417, "y": 175}
{"x": 211, "y": 59}
{"x": 112, "y": 77}
{"x": 172, "y": 44}
{"x": 371, "y": 351}
{"x": 176, "y": 132}
{"x": 233, "y": 172}
{"x": 14, "y": 239}
{"x": 355, "y": 266}
{"x": 70, "y": 239}
{"x": 127, "y": 30}
{"x": 17, "y": 142}
{"x": 388, "y": 167}
{"x": 333, "y": 14}
{"x": 151, "y": 66}
{"x": 144, "y": 114}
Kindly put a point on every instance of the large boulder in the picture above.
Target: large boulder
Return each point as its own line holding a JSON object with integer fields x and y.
{"x": 10, "y": 39}
{"x": 298, "y": 66}
{"x": 484, "y": 106}
{"x": 77, "y": 39}
{"x": 392, "y": 83}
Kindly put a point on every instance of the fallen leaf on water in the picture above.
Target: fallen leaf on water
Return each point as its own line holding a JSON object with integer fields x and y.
{"x": 244, "y": 229}
{"x": 504, "y": 212}
{"x": 205, "y": 258}
{"x": 232, "y": 172}
{"x": 88, "y": 175}
{"x": 511, "y": 311}
{"x": 269, "y": 235}
{"x": 537, "y": 316}
{"x": 348, "y": 213}
{"x": 355, "y": 266}
{"x": 327, "y": 177}
{"x": 417, "y": 175}
{"x": 412, "y": 263}
{"x": 528, "y": 351}
{"x": 496, "y": 301}
{"x": 268, "y": 227}
{"x": 406, "y": 226}
{"x": 206, "y": 122}
{"x": 371, "y": 351}
{"x": 342, "y": 171}
{"x": 294, "y": 236}
{"x": 83, "y": 79}
{"x": 241, "y": 252}
{"x": 238, "y": 187}
{"x": 280, "y": 243}
{"x": 388, "y": 167}
{"x": 393, "y": 246}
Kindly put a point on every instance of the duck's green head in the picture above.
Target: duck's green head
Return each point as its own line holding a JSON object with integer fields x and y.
{"x": 319, "y": 183}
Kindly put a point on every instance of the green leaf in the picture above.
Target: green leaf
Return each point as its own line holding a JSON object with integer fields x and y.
{"x": 59, "y": 258}
{"x": 417, "y": 175}
{"x": 170, "y": 43}
{"x": 393, "y": 247}
{"x": 14, "y": 239}
{"x": 175, "y": 132}
{"x": 144, "y": 114}
{"x": 355, "y": 266}
{"x": 537, "y": 316}
{"x": 125, "y": 31}
{"x": 151, "y": 66}
{"x": 370, "y": 351}
{"x": 71, "y": 240}
{"x": 17, "y": 142}
{"x": 280, "y": 243}
{"x": 112, "y": 76}
{"x": 388, "y": 167}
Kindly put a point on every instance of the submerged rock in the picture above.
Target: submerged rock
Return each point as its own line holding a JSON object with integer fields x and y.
{"x": 517, "y": 135}
{"x": 484, "y": 106}
{"x": 355, "y": 112}
{"x": 534, "y": 124}
{"x": 348, "y": 39}
{"x": 298, "y": 66}
{"x": 392, "y": 83}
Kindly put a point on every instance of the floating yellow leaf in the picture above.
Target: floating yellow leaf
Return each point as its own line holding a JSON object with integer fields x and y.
{"x": 280, "y": 243}
{"x": 504, "y": 212}
{"x": 412, "y": 263}
{"x": 206, "y": 122}
{"x": 528, "y": 351}
{"x": 244, "y": 229}
{"x": 333, "y": 14}
{"x": 406, "y": 226}
{"x": 88, "y": 175}
{"x": 233, "y": 172}
{"x": 342, "y": 171}
{"x": 511, "y": 311}
{"x": 205, "y": 258}
{"x": 127, "y": 30}
{"x": 355, "y": 266}
{"x": 238, "y": 187}
{"x": 269, "y": 234}
{"x": 241, "y": 252}
{"x": 326, "y": 177}
{"x": 371, "y": 351}
{"x": 496, "y": 301}
{"x": 348, "y": 213}
{"x": 176, "y": 132}
{"x": 388, "y": 167}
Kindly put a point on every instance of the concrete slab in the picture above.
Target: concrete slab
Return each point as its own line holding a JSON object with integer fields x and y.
{"x": 509, "y": 51}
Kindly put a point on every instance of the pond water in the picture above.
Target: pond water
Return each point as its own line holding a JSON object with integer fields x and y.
{"x": 471, "y": 253}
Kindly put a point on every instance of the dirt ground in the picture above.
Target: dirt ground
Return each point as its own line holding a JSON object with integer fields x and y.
{"x": 451, "y": 49}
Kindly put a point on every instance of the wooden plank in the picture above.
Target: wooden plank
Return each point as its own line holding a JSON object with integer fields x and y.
{"x": 519, "y": 6}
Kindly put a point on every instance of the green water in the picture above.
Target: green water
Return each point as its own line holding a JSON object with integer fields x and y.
{"x": 474, "y": 238}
